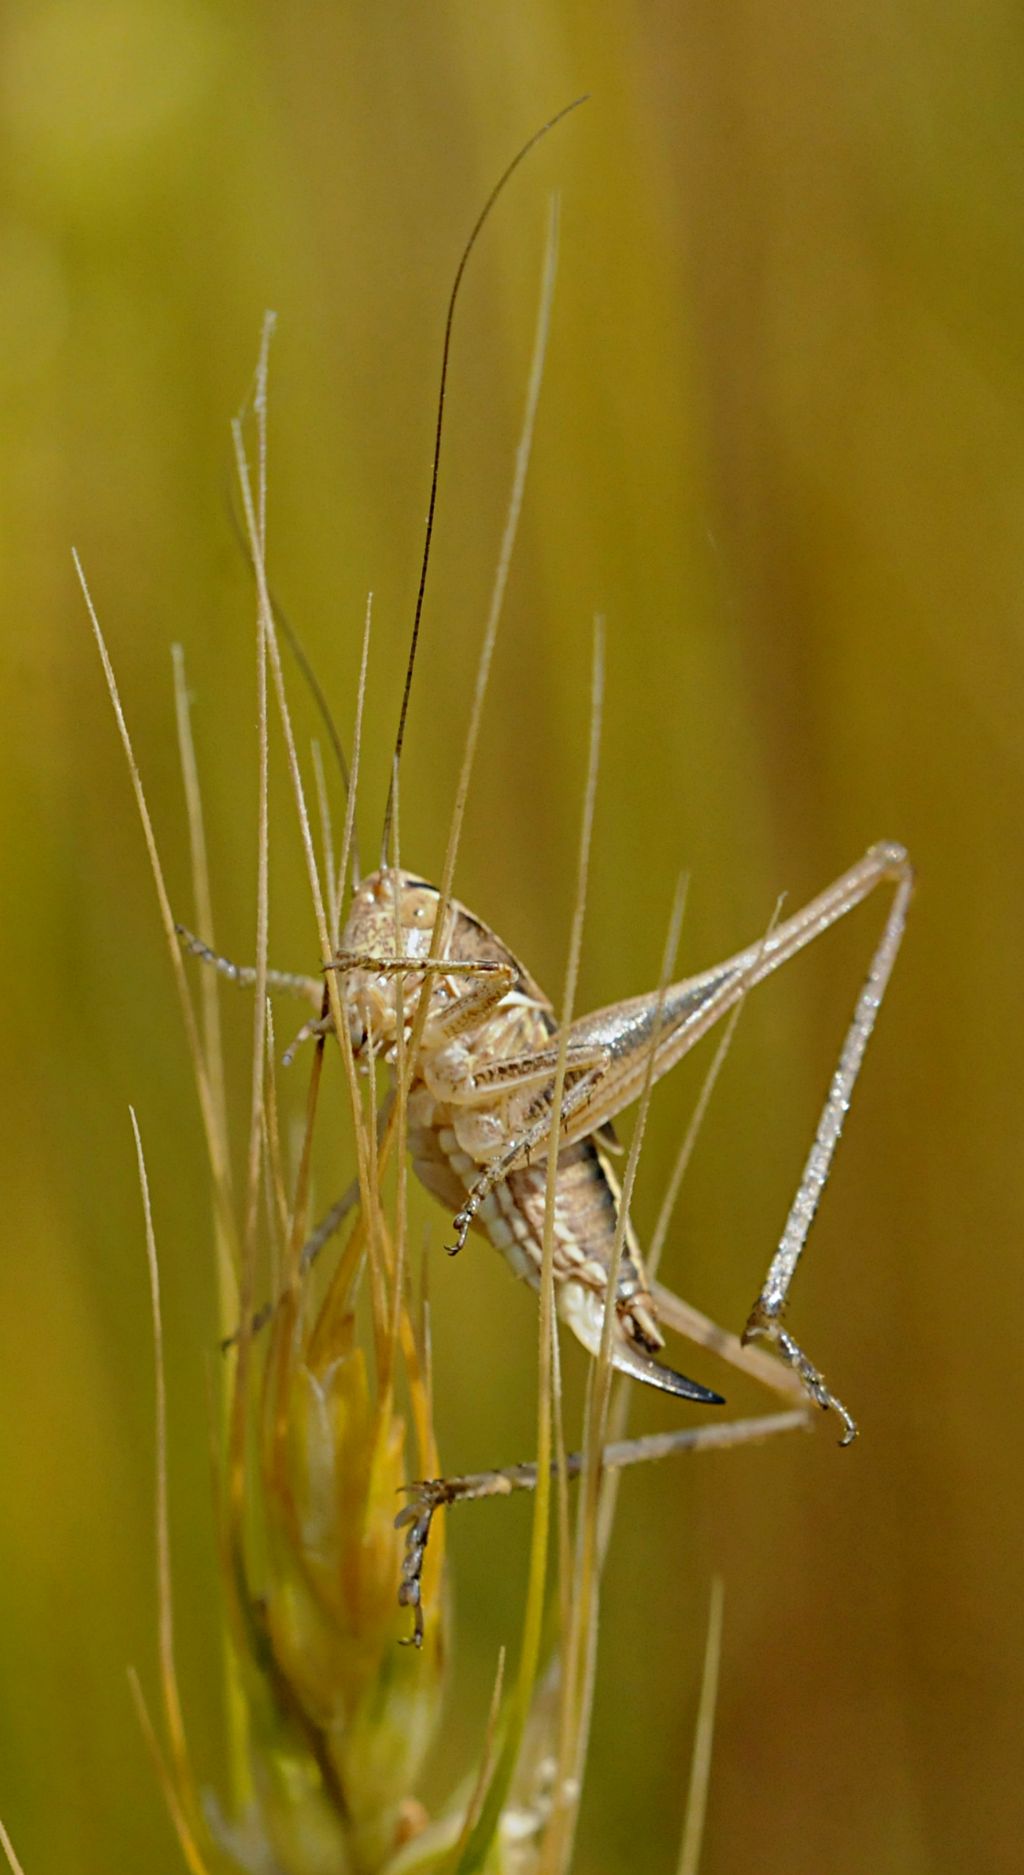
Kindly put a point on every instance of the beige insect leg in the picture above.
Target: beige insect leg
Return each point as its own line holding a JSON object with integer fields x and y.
{"x": 495, "y": 981}
{"x": 285, "y": 981}
{"x": 685, "y": 1320}
{"x": 407, "y": 966}
{"x": 462, "y": 1013}
{"x": 482, "y": 997}
{"x": 455, "y": 1082}
{"x": 673, "y": 1021}
{"x": 445, "y": 1025}
{"x": 519, "y": 1150}
{"x": 429, "y": 1495}
{"x": 317, "y": 1025}
{"x": 766, "y": 1317}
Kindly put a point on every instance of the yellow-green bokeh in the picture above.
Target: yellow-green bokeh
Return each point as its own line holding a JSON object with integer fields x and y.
{"x": 780, "y": 450}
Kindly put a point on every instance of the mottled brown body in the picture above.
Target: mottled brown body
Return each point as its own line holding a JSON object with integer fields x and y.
{"x": 484, "y": 1076}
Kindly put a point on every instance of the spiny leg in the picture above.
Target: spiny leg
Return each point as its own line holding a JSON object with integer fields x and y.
{"x": 391, "y": 966}
{"x": 520, "y": 1148}
{"x": 466, "y": 1008}
{"x": 316, "y": 1026}
{"x": 683, "y": 1319}
{"x": 691, "y": 1007}
{"x": 766, "y": 1317}
{"x": 245, "y": 976}
{"x": 460, "y": 1084}
{"x": 673, "y": 1021}
{"x": 428, "y": 1495}
{"x": 462, "y": 1012}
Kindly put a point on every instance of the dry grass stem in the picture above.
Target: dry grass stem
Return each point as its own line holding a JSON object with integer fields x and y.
{"x": 703, "y": 1738}
{"x": 558, "y": 1836}
{"x": 8, "y": 1848}
{"x": 165, "y": 1607}
{"x": 216, "y": 1144}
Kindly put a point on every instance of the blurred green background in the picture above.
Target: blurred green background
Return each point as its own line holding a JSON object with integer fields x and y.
{"x": 780, "y": 449}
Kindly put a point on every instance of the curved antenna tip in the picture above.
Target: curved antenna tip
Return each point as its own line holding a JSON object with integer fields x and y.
{"x": 507, "y": 172}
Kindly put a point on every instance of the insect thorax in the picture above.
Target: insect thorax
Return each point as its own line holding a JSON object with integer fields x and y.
{"x": 393, "y": 914}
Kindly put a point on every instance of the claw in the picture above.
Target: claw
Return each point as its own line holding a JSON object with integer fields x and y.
{"x": 461, "y": 1223}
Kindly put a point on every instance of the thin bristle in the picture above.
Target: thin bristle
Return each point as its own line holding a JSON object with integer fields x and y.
{"x": 349, "y": 851}
{"x": 264, "y": 625}
{"x": 329, "y": 862}
{"x": 8, "y": 1848}
{"x": 703, "y": 1738}
{"x": 576, "y": 1643}
{"x": 210, "y": 1003}
{"x": 187, "y": 1843}
{"x": 485, "y": 1770}
{"x": 165, "y": 1604}
{"x": 214, "y": 1140}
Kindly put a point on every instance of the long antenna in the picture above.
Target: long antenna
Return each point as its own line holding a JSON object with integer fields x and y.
{"x": 432, "y": 504}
